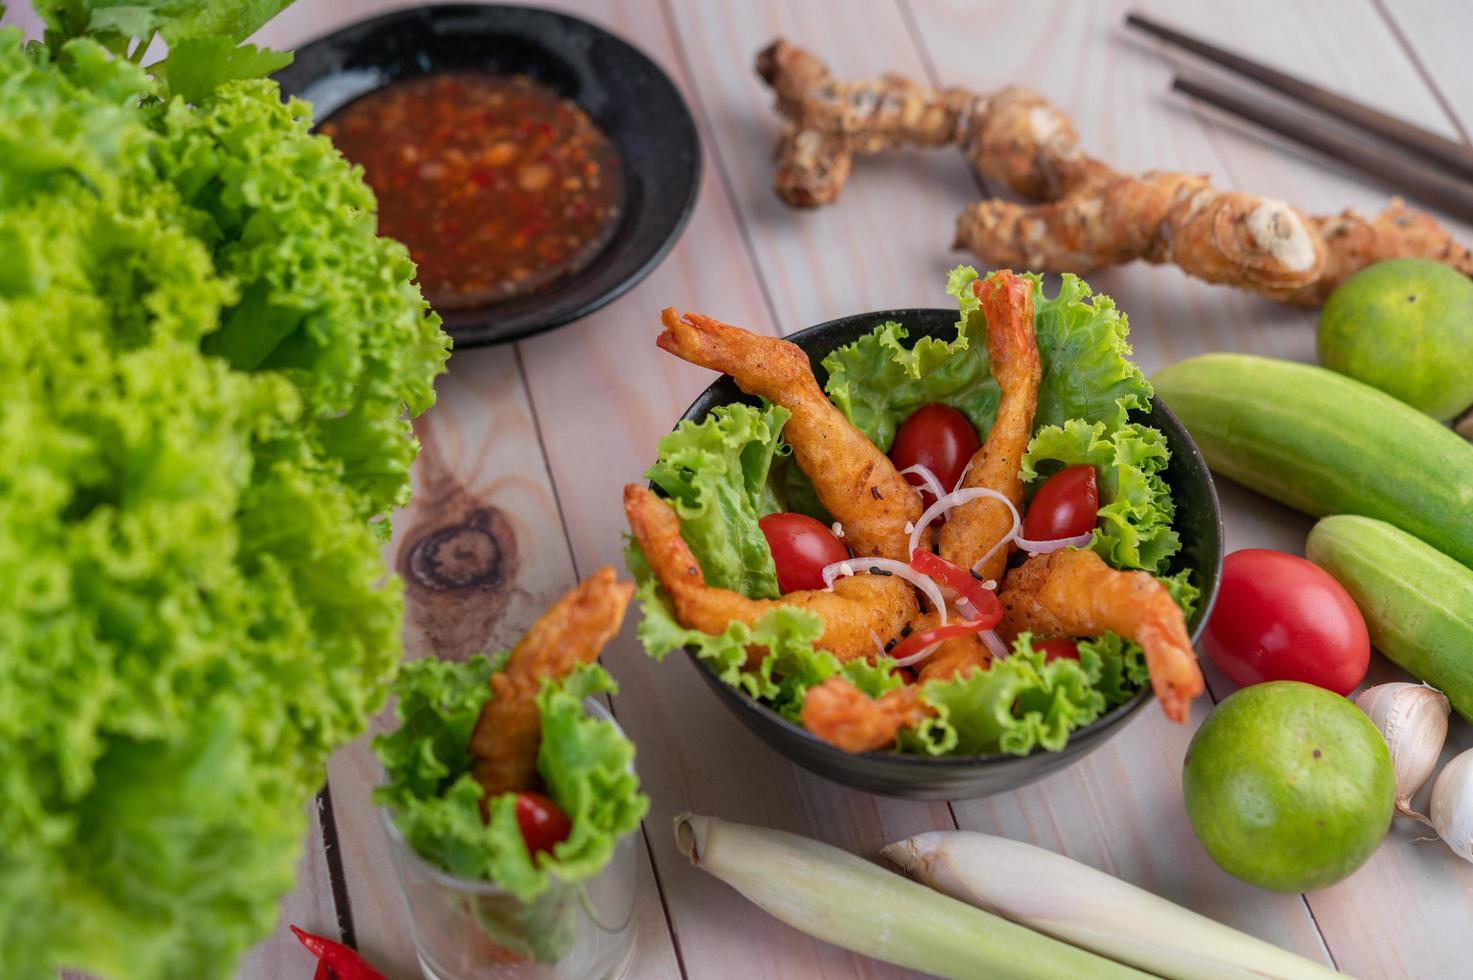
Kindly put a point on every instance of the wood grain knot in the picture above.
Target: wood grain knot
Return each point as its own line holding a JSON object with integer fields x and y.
{"x": 474, "y": 554}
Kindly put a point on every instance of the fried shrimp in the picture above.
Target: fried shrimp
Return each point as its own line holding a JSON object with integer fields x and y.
{"x": 858, "y": 610}
{"x": 855, "y": 482}
{"x": 1074, "y": 593}
{"x": 847, "y": 718}
{"x": 954, "y": 657}
{"x": 974, "y": 527}
{"x": 573, "y": 631}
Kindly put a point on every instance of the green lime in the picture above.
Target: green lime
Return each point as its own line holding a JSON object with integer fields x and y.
{"x": 1288, "y": 786}
{"x": 1406, "y": 327}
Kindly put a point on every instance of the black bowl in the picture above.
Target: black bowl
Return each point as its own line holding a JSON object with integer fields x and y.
{"x": 1198, "y": 520}
{"x": 626, "y": 93}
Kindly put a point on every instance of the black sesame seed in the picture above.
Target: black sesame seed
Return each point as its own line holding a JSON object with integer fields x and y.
{"x": 976, "y": 574}
{"x": 889, "y": 646}
{"x": 905, "y": 631}
{"x": 875, "y": 570}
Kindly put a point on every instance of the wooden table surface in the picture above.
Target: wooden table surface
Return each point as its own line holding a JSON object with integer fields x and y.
{"x": 542, "y": 434}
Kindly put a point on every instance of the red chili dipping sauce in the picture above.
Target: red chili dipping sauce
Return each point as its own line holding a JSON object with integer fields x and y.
{"x": 496, "y": 183}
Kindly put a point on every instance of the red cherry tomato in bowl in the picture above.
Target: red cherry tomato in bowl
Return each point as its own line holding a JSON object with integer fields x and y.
{"x": 1066, "y": 505}
{"x": 1056, "y": 649}
{"x": 801, "y": 547}
{"x": 939, "y": 438}
{"x": 1281, "y": 618}
{"x": 543, "y": 823}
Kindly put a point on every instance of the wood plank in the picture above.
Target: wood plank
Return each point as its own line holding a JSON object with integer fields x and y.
{"x": 481, "y": 454}
{"x": 693, "y": 755}
{"x": 1437, "y": 34}
{"x": 480, "y": 490}
{"x": 1116, "y": 89}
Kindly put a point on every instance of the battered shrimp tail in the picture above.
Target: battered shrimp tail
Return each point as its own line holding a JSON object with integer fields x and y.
{"x": 1073, "y": 593}
{"x": 572, "y": 631}
{"x": 974, "y": 528}
{"x": 858, "y": 609}
{"x": 855, "y": 482}
{"x": 847, "y": 718}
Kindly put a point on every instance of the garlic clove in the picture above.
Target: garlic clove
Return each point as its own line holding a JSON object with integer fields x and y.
{"x": 1413, "y": 720}
{"x": 1451, "y": 812}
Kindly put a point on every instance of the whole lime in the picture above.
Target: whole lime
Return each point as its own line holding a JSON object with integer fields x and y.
{"x": 1288, "y": 786}
{"x": 1404, "y": 326}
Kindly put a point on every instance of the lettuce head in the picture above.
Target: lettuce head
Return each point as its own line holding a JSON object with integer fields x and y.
{"x": 209, "y": 357}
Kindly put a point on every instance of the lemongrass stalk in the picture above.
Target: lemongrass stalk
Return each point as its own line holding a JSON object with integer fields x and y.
{"x": 1093, "y": 910}
{"x": 847, "y": 901}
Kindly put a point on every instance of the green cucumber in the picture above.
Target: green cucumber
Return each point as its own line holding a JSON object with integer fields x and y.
{"x": 1326, "y": 444}
{"x": 1418, "y": 602}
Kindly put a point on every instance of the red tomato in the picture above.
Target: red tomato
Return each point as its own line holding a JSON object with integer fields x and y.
{"x": 1066, "y": 505}
{"x": 801, "y": 547}
{"x": 543, "y": 822}
{"x": 1054, "y": 649}
{"x": 939, "y": 438}
{"x": 1279, "y": 617}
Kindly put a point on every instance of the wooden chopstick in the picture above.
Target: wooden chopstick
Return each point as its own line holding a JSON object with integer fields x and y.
{"x": 1376, "y": 159}
{"x": 1415, "y": 139}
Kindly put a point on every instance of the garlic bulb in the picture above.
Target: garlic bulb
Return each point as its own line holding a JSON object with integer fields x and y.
{"x": 1452, "y": 805}
{"x": 1413, "y": 720}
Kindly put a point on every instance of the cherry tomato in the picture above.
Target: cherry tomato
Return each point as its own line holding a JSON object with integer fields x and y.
{"x": 1066, "y": 505}
{"x": 1279, "y": 617}
{"x": 801, "y": 547}
{"x": 543, "y": 822}
{"x": 1055, "y": 649}
{"x": 939, "y": 438}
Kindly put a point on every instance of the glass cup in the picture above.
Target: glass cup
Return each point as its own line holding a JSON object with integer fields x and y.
{"x": 474, "y": 930}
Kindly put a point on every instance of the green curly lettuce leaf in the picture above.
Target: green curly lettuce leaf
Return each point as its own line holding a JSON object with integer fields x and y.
{"x": 1021, "y": 703}
{"x": 1184, "y": 592}
{"x": 196, "y": 609}
{"x": 1136, "y": 510}
{"x": 585, "y": 763}
{"x": 715, "y": 473}
{"x": 878, "y": 381}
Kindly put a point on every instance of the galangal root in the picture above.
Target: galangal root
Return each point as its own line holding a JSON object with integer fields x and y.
{"x": 1090, "y": 216}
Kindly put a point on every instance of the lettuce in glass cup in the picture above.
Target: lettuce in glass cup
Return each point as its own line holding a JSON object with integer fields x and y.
{"x": 481, "y": 904}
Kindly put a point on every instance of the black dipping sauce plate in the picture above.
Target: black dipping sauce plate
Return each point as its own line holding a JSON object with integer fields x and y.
{"x": 625, "y": 93}
{"x": 919, "y": 777}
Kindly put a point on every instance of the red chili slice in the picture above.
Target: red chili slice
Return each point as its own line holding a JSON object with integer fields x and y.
{"x": 917, "y": 642}
{"x": 960, "y": 581}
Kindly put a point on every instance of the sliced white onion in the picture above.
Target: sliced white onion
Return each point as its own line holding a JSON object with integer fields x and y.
{"x": 1057, "y": 544}
{"x": 994, "y": 643}
{"x": 879, "y": 643}
{"x": 927, "y": 477}
{"x": 919, "y": 655}
{"x": 955, "y": 499}
{"x": 961, "y": 481}
{"x": 923, "y": 582}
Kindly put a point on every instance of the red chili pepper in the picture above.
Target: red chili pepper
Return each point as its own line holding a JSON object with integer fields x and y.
{"x": 917, "y": 642}
{"x": 344, "y": 961}
{"x": 323, "y": 972}
{"x": 960, "y": 581}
